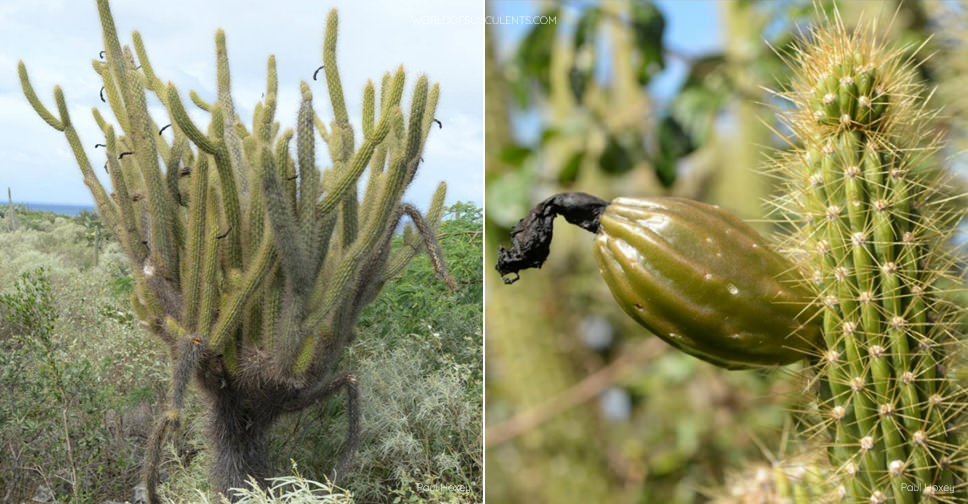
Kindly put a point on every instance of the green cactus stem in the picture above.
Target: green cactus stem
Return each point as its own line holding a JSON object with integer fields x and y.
{"x": 251, "y": 262}
{"x": 864, "y": 200}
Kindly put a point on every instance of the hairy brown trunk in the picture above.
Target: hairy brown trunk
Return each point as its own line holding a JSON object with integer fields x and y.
{"x": 239, "y": 418}
{"x": 238, "y": 433}
{"x": 243, "y": 406}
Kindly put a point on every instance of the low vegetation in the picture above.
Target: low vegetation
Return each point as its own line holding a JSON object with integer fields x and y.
{"x": 81, "y": 382}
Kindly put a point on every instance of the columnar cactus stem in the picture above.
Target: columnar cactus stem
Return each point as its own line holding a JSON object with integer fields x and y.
{"x": 239, "y": 261}
{"x": 863, "y": 199}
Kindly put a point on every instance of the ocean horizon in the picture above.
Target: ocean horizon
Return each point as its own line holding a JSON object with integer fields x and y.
{"x": 65, "y": 209}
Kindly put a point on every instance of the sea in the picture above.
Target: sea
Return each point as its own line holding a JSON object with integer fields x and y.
{"x": 57, "y": 208}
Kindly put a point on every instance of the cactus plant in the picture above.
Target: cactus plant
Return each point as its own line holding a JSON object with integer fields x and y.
{"x": 793, "y": 480}
{"x": 869, "y": 223}
{"x": 251, "y": 264}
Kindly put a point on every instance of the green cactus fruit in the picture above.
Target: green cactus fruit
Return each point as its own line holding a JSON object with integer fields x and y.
{"x": 705, "y": 282}
{"x": 692, "y": 273}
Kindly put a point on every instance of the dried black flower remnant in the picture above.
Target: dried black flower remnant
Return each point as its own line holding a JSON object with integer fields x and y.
{"x": 531, "y": 237}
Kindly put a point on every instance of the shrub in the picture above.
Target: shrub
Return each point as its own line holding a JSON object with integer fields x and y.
{"x": 420, "y": 374}
{"x": 72, "y": 371}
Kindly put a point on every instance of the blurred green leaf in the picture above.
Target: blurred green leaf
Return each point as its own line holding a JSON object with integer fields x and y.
{"x": 583, "y": 66}
{"x": 673, "y": 143}
{"x": 515, "y": 154}
{"x": 619, "y": 155}
{"x": 704, "y": 92}
{"x": 578, "y": 81}
{"x": 508, "y": 196}
{"x": 587, "y": 27}
{"x": 569, "y": 172}
{"x": 517, "y": 85}
{"x": 550, "y": 133}
{"x": 648, "y": 25}
{"x": 533, "y": 58}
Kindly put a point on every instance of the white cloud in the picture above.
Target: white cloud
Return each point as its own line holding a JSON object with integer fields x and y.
{"x": 58, "y": 40}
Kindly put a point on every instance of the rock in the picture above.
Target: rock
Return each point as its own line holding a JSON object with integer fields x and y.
{"x": 42, "y": 494}
{"x": 140, "y": 495}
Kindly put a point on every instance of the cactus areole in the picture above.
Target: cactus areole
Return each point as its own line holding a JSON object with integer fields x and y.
{"x": 691, "y": 273}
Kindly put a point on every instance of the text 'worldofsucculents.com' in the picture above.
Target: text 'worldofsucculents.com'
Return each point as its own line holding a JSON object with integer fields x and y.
{"x": 472, "y": 20}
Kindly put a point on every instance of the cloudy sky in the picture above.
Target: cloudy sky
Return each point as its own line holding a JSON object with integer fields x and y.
{"x": 58, "y": 39}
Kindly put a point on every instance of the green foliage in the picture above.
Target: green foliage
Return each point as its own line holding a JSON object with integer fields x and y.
{"x": 293, "y": 490}
{"x": 532, "y": 63}
{"x": 430, "y": 403}
{"x": 55, "y": 242}
{"x": 415, "y": 292}
{"x": 686, "y": 119}
{"x": 428, "y": 489}
{"x": 648, "y": 26}
{"x": 29, "y": 218}
{"x": 93, "y": 227}
{"x": 67, "y": 378}
{"x": 419, "y": 364}
{"x": 30, "y": 309}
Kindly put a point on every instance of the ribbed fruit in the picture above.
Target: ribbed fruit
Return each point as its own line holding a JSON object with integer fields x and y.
{"x": 701, "y": 279}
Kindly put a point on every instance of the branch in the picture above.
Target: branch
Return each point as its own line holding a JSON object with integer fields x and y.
{"x": 584, "y": 391}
